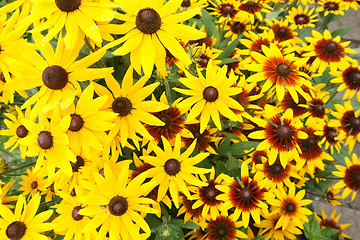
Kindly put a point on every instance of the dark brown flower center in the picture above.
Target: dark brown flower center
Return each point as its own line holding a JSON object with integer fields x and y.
{"x": 330, "y": 133}
{"x": 75, "y": 213}
{"x": 68, "y": 5}
{"x": 332, "y": 6}
{"x": 282, "y": 33}
{"x": 301, "y": 19}
{"x": 250, "y": 4}
{"x": 308, "y": 143}
{"x": 34, "y": 185}
{"x": 356, "y": 178}
{"x": 210, "y": 94}
{"x": 203, "y": 61}
{"x": 16, "y": 230}
{"x": 73, "y": 193}
{"x": 45, "y": 140}
{"x": 165, "y": 119}
{"x": 276, "y": 168}
{"x": 122, "y": 106}
{"x": 355, "y": 122}
{"x": 21, "y": 131}
{"x": 331, "y": 47}
{"x": 290, "y": 207}
{"x": 55, "y": 77}
{"x": 172, "y": 167}
{"x": 102, "y": 172}
{"x": 221, "y": 230}
{"x": 76, "y": 122}
{"x": 356, "y": 77}
{"x": 78, "y": 164}
{"x": 283, "y": 132}
{"x": 118, "y": 206}
{"x": 237, "y": 27}
{"x": 227, "y": 9}
{"x": 329, "y": 195}
{"x": 197, "y": 134}
{"x": 148, "y": 21}
{"x": 258, "y": 158}
{"x": 294, "y": 180}
{"x": 211, "y": 192}
{"x": 186, "y": 3}
{"x": 282, "y": 69}
{"x": 2, "y": 77}
{"x": 245, "y": 194}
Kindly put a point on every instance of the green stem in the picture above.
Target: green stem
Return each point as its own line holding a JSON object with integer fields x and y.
{"x": 16, "y": 169}
{"x": 315, "y": 194}
{"x": 332, "y": 96}
{"x": 221, "y": 34}
{"x": 323, "y": 24}
{"x": 167, "y": 91}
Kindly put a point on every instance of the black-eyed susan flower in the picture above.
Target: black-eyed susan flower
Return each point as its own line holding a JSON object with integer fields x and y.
{"x": 205, "y": 197}
{"x": 316, "y": 112}
{"x": 69, "y": 222}
{"x": 24, "y": 223}
{"x": 173, "y": 170}
{"x": 128, "y": 103}
{"x": 351, "y": 3}
{"x": 191, "y": 4}
{"x": 225, "y": 10}
{"x": 332, "y": 222}
{"x": 204, "y": 54}
{"x": 302, "y": 17}
{"x": 152, "y": 27}
{"x": 89, "y": 121}
{"x": 77, "y": 17}
{"x": 281, "y": 135}
{"x": 279, "y": 70}
{"x": 335, "y": 7}
{"x": 191, "y": 214}
{"x": 330, "y": 137}
{"x": 349, "y": 77}
{"x": 210, "y": 96}
{"x": 255, "y": 8}
{"x": 350, "y": 176}
{"x": 48, "y": 140}
{"x": 269, "y": 231}
{"x": 223, "y": 227}
{"x": 32, "y": 183}
{"x": 331, "y": 195}
{"x": 348, "y": 121}
{"x": 282, "y": 30}
{"x": 328, "y": 51}
{"x": 174, "y": 123}
{"x": 288, "y": 102}
{"x": 246, "y": 196}
{"x": 115, "y": 204}
{"x": 57, "y": 73}
{"x": 237, "y": 26}
{"x": 291, "y": 206}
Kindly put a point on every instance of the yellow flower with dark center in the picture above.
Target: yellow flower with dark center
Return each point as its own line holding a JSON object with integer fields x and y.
{"x": 350, "y": 175}
{"x": 225, "y": 10}
{"x": 151, "y": 28}
{"x": 173, "y": 170}
{"x": 32, "y": 183}
{"x": 279, "y": 70}
{"x": 349, "y": 77}
{"x": 280, "y": 136}
{"x": 330, "y": 136}
{"x": 331, "y": 196}
{"x": 128, "y": 103}
{"x": 327, "y": 51}
{"x": 351, "y": 3}
{"x": 78, "y": 17}
{"x": 191, "y": 4}
{"x": 57, "y": 73}
{"x": 117, "y": 205}
{"x": 332, "y": 222}
{"x": 335, "y": 7}
{"x": 302, "y": 17}
{"x": 24, "y": 223}
{"x": 291, "y": 206}
{"x": 210, "y": 96}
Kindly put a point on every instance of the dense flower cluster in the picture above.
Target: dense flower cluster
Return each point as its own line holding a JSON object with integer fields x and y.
{"x": 197, "y": 119}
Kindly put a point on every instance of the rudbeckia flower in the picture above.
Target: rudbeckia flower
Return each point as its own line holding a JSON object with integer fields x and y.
{"x": 332, "y": 222}
{"x": 151, "y": 27}
{"x": 302, "y": 17}
{"x": 349, "y": 77}
{"x": 210, "y": 96}
{"x": 24, "y": 223}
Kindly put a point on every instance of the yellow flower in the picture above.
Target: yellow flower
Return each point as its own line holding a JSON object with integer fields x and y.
{"x": 331, "y": 222}
{"x": 302, "y": 17}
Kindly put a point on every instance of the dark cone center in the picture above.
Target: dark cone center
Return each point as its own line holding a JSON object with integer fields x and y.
{"x": 45, "y": 140}
{"x": 148, "y": 21}
{"x": 283, "y": 132}
{"x": 197, "y": 134}
{"x": 282, "y": 69}
{"x": 73, "y": 193}
{"x": 250, "y": 4}
{"x": 356, "y": 78}
{"x": 301, "y": 19}
{"x": 276, "y": 168}
{"x": 331, "y": 134}
{"x": 68, "y": 5}
{"x": 34, "y": 185}
{"x": 186, "y": 3}
{"x": 227, "y": 9}
{"x": 21, "y": 131}
{"x": 355, "y": 122}
{"x": 118, "y": 206}
{"x": 76, "y": 122}
{"x": 102, "y": 172}
{"x": 332, "y": 6}
{"x": 221, "y": 230}
{"x": 204, "y": 60}
{"x": 211, "y": 192}
{"x": 172, "y": 167}
{"x": 246, "y": 194}
{"x": 210, "y": 94}
{"x": 75, "y": 213}
{"x": 2, "y": 77}
{"x": 282, "y": 33}
{"x": 290, "y": 207}
{"x": 237, "y": 27}
{"x": 330, "y": 195}
{"x": 294, "y": 180}
{"x": 16, "y": 230}
{"x": 331, "y": 47}
{"x": 165, "y": 119}
{"x": 122, "y": 106}
{"x": 78, "y": 164}
{"x": 308, "y": 143}
{"x": 55, "y": 77}
{"x": 258, "y": 158}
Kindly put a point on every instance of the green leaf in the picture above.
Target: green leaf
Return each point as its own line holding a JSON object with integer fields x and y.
{"x": 169, "y": 231}
{"x": 153, "y": 221}
{"x": 312, "y": 228}
{"x": 240, "y": 147}
{"x": 259, "y": 238}
{"x": 231, "y": 135}
{"x": 229, "y": 49}
{"x": 273, "y": 14}
{"x": 220, "y": 168}
{"x": 187, "y": 225}
{"x": 340, "y": 32}
{"x": 331, "y": 233}
{"x": 209, "y": 24}
{"x": 224, "y": 146}
{"x": 233, "y": 162}
{"x": 228, "y": 60}
{"x": 305, "y": 32}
